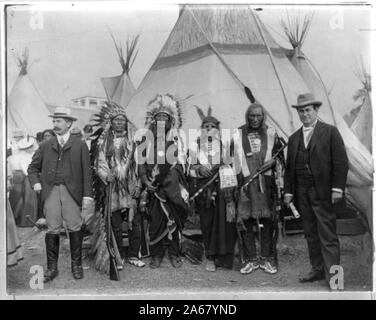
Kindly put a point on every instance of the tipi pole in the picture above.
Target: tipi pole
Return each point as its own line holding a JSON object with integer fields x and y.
{"x": 323, "y": 86}
{"x": 275, "y": 70}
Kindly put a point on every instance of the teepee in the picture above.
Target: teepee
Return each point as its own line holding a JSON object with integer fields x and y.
{"x": 119, "y": 89}
{"x": 26, "y": 109}
{"x": 362, "y": 125}
{"x": 360, "y": 177}
{"x": 212, "y": 53}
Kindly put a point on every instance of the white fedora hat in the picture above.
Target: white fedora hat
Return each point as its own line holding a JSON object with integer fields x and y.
{"x": 63, "y": 112}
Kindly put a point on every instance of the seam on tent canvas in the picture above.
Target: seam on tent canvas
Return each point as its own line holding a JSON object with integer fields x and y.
{"x": 205, "y": 50}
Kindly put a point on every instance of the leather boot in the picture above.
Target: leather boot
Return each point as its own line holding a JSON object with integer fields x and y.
{"x": 75, "y": 240}
{"x": 52, "y": 250}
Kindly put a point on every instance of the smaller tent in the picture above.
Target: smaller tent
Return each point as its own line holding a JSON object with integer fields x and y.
{"x": 26, "y": 108}
{"x": 120, "y": 89}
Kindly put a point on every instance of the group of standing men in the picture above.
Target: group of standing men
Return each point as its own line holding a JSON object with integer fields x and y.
{"x": 231, "y": 204}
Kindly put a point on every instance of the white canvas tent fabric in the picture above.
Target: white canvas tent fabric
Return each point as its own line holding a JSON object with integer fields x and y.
{"x": 188, "y": 68}
{"x": 26, "y": 109}
{"x": 362, "y": 125}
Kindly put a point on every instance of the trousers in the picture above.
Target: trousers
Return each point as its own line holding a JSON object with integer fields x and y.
{"x": 60, "y": 207}
{"x": 319, "y": 224}
{"x": 249, "y": 239}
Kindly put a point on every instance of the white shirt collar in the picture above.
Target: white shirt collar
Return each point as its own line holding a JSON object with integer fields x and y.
{"x": 64, "y": 136}
{"x": 311, "y": 127}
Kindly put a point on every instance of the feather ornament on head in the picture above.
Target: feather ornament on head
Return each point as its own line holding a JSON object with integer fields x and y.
{"x": 208, "y": 117}
{"x": 167, "y": 104}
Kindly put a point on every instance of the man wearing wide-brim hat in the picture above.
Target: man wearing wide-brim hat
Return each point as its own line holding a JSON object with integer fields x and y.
{"x": 61, "y": 171}
{"x": 315, "y": 179}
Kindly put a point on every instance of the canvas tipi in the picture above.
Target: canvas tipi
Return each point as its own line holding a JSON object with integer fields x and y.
{"x": 207, "y": 61}
{"x": 213, "y": 52}
{"x": 26, "y": 109}
{"x": 119, "y": 89}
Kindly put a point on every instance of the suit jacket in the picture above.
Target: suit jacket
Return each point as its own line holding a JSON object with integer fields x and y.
{"x": 328, "y": 160}
{"x": 76, "y": 168}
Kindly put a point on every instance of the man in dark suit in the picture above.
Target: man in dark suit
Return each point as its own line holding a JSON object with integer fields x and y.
{"x": 315, "y": 179}
{"x": 60, "y": 171}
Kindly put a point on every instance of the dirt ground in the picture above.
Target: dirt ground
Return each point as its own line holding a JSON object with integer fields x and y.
{"x": 293, "y": 262}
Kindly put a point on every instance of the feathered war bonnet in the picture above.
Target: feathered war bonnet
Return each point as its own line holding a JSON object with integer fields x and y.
{"x": 208, "y": 117}
{"x": 173, "y": 107}
{"x": 107, "y": 114}
{"x": 167, "y": 104}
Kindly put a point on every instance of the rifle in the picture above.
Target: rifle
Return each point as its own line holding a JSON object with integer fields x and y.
{"x": 264, "y": 169}
{"x": 114, "y": 273}
{"x": 142, "y": 208}
{"x": 204, "y": 186}
{"x": 144, "y": 248}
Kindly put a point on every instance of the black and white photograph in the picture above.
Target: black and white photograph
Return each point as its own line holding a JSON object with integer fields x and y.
{"x": 187, "y": 151}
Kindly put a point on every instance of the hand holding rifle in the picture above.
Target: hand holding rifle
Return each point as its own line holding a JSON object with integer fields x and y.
{"x": 267, "y": 165}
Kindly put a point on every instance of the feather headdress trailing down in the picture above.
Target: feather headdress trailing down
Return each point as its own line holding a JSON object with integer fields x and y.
{"x": 103, "y": 119}
{"x": 165, "y": 104}
{"x": 117, "y": 151}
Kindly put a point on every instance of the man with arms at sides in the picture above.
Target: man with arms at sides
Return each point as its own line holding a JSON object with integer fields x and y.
{"x": 60, "y": 170}
{"x": 315, "y": 179}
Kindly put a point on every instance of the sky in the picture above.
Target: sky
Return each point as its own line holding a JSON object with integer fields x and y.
{"x": 70, "y": 48}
